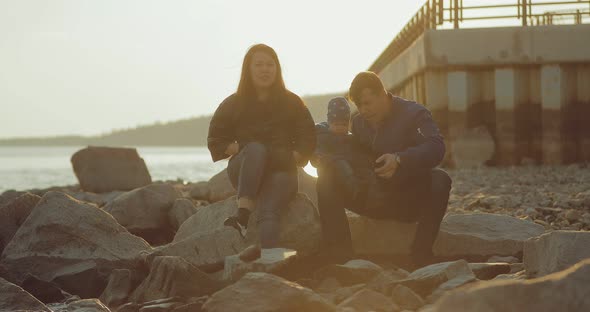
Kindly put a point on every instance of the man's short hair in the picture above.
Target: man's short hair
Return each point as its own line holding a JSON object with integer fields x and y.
{"x": 365, "y": 80}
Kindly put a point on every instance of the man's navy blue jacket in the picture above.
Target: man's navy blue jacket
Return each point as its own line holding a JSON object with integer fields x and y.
{"x": 408, "y": 131}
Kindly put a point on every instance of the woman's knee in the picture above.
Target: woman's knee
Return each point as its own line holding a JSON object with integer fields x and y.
{"x": 441, "y": 181}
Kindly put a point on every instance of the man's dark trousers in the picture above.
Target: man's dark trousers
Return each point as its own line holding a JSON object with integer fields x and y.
{"x": 421, "y": 198}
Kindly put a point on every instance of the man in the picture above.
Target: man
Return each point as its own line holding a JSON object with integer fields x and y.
{"x": 407, "y": 145}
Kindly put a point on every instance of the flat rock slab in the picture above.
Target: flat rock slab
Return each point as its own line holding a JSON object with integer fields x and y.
{"x": 555, "y": 251}
{"x": 479, "y": 235}
{"x": 567, "y": 290}
{"x": 484, "y": 235}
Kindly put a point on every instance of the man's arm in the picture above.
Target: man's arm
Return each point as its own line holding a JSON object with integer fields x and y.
{"x": 431, "y": 151}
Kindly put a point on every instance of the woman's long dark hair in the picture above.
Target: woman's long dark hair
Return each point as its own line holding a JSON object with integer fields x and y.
{"x": 246, "y": 87}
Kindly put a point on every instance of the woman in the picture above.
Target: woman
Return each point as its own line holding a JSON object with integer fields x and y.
{"x": 267, "y": 131}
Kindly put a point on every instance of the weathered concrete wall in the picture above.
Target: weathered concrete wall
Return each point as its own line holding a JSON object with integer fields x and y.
{"x": 529, "y": 86}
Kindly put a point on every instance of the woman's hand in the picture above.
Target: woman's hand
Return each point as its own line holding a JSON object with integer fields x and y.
{"x": 232, "y": 149}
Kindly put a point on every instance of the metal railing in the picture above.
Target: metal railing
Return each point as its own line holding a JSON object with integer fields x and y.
{"x": 445, "y": 14}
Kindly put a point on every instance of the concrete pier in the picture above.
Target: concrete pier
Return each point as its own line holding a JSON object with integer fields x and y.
{"x": 529, "y": 86}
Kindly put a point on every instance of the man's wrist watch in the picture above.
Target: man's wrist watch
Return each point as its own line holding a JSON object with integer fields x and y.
{"x": 398, "y": 160}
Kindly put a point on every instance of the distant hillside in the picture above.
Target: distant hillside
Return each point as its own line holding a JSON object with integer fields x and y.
{"x": 185, "y": 132}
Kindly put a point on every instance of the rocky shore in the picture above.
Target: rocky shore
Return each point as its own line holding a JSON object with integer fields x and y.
{"x": 514, "y": 239}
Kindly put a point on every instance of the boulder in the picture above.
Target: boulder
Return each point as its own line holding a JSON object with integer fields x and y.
{"x": 567, "y": 290}
{"x": 271, "y": 261}
{"x": 14, "y": 298}
{"x": 351, "y": 273}
{"x": 220, "y": 187}
{"x": 205, "y": 249}
{"x": 62, "y": 238}
{"x": 300, "y": 224}
{"x": 369, "y": 300}
{"x": 555, "y": 251}
{"x": 262, "y": 292}
{"x": 174, "y": 276}
{"x": 483, "y": 235}
{"x": 181, "y": 210}
{"x": 144, "y": 212}
{"x": 13, "y": 214}
{"x": 477, "y": 235}
{"x": 207, "y": 219}
{"x": 106, "y": 169}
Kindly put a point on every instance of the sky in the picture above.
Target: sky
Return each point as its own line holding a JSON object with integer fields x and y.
{"x": 70, "y": 67}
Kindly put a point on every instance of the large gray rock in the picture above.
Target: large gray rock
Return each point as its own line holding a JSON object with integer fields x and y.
{"x": 260, "y": 292}
{"x": 182, "y": 209}
{"x": 144, "y": 212}
{"x": 174, "y": 277}
{"x": 220, "y": 187}
{"x": 483, "y": 235}
{"x": 300, "y": 225}
{"x": 63, "y": 238}
{"x": 13, "y": 214}
{"x": 105, "y": 169}
{"x": 567, "y": 290}
{"x": 207, "y": 219}
{"x": 206, "y": 249}
{"x": 467, "y": 235}
{"x": 555, "y": 251}
{"x": 14, "y": 298}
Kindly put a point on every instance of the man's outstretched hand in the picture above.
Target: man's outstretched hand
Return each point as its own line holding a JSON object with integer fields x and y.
{"x": 389, "y": 167}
